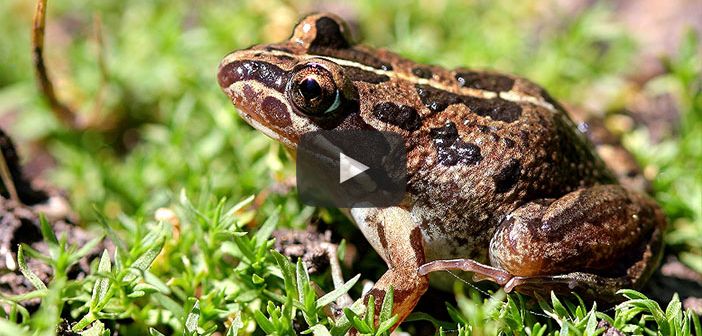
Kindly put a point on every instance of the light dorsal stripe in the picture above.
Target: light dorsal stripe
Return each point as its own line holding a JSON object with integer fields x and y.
{"x": 506, "y": 95}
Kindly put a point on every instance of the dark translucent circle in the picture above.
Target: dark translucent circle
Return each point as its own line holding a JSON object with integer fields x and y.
{"x": 310, "y": 88}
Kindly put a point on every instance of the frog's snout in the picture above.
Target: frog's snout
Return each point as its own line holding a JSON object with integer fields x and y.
{"x": 236, "y": 74}
{"x": 253, "y": 67}
{"x": 229, "y": 70}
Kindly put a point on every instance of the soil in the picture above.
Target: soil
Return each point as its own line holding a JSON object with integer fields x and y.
{"x": 19, "y": 224}
{"x": 674, "y": 277}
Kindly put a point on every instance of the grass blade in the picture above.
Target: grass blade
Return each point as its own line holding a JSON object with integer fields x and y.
{"x": 33, "y": 278}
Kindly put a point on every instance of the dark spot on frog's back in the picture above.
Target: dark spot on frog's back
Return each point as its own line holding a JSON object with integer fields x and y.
{"x": 509, "y": 143}
{"x": 267, "y": 74}
{"x": 329, "y": 34}
{"x": 484, "y": 81}
{"x": 451, "y": 150}
{"x": 483, "y": 128}
{"x": 436, "y": 100}
{"x": 276, "y": 112}
{"x": 496, "y": 108}
{"x": 499, "y": 109}
{"x": 422, "y": 72}
{"x": 402, "y": 116}
{"x": 508, "y": 176}
{"x": 448, "y": 134}
{"x": 356, "y": 74}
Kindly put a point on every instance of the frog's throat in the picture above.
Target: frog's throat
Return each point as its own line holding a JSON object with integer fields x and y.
{"x": 267, "y": 131}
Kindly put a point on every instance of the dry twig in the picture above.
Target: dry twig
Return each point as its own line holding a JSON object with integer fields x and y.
{"x": 6, "y": 177}
{"x": 62, "y": 112}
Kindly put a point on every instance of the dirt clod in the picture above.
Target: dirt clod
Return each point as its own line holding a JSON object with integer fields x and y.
{"x": 609, "y": 329}
{"x": 306, "y": 245}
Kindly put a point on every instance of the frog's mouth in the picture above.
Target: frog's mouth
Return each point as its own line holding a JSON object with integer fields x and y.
{"x": 269, "y": 132}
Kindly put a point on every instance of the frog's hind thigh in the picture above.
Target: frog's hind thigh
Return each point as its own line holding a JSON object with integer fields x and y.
{"x": 600, "y": 238}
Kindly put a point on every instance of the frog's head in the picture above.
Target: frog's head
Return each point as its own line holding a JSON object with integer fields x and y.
{"x": 290, "y": 88}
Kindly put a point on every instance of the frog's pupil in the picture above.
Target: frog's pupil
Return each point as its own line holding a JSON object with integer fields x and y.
{"x": 310, "y": 89}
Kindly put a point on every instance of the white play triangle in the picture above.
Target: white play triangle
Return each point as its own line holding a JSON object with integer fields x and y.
{"x": 349, "y": 167}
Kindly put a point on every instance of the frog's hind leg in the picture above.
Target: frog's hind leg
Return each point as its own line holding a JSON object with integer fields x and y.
{"x": 594, "y": 241}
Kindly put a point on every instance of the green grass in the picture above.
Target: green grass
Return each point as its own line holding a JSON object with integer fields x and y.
{"x": 179, "y": 145}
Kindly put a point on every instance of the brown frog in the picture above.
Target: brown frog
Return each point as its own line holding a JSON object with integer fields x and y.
{"x": 500, "y": 179}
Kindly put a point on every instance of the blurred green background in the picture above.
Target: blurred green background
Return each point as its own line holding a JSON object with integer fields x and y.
{"x": 142, "y": 74}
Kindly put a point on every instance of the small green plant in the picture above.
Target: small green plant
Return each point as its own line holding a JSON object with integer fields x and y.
{"x": 60, "y": 257}
{"x": 636, "y": 314}
{"x": 300, "y": 296}
{"x": 368, "y": 325}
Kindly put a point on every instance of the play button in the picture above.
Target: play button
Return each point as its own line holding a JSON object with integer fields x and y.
{"x": 351, "y": 168}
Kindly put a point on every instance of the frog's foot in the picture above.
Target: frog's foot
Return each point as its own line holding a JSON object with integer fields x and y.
{"x": 480, "y": 271}
{"x": 590, "y": 286}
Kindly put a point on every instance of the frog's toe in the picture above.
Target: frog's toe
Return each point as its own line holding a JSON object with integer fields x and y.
{"x": 588, "y": 286}
{"x": 480, "y": 271}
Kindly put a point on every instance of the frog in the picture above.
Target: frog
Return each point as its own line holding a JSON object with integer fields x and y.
{"x": 502, "y": 182}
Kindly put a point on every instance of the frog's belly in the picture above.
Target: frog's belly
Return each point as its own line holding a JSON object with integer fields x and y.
{"x": 462, "y": 241}
{"x": 443, "y": 238}
{"x": 445, "y": 248}
{"x": 451, "y": 236}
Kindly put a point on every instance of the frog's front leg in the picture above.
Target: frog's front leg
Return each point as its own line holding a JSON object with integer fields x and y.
{"x": 398, "y": 240}
{"x": 593, "y": 241}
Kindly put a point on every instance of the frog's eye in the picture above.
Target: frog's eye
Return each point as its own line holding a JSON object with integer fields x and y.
{"x": 313, "y": 91}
